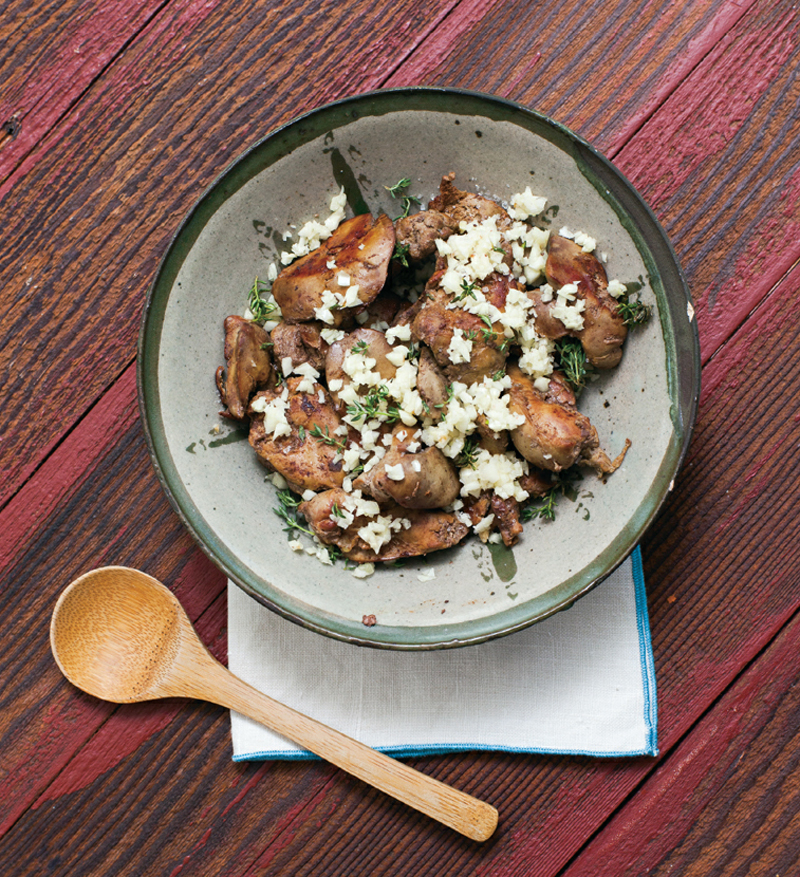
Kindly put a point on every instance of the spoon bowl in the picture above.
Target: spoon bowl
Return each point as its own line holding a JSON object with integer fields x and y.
{"x": 115, "y": 634}
{"x": 120, "y": 635}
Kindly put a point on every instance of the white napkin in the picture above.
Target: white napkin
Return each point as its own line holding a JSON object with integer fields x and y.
{"x": 580, "y": 682}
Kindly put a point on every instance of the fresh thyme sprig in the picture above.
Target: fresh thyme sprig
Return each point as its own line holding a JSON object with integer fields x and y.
{"x": 408, "y": 202}
{"x": 545, "y": 509}
{"x": 490, "y": 336}
{"x": 468, "y": 456}
{"x": 373, "y": 405}
{"x": 260, "y": 308}
{"x": 631, "y": 308}
{"x": 397, "y": 191}
{"x": 286, "y": 511}
{"x": 572, "y": 362}
{"x": 467, "y": 289}
{"x": 401, "y": 254}
{"x": 327, "y": 439}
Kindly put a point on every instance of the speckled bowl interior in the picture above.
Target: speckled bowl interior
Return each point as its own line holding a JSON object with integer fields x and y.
{"x": 236, "y": 230}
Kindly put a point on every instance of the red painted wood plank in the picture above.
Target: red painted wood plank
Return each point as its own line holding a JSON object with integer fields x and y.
{"x": 550, "y": 58}
{"x": 75, "y": 242}
{"x": 715, "y": 133}
{"x": 731, "y": 128}
{"x": 707, "y": 807}
{"x": 75, "y": 456}
{"x": 36, "y": 523}
{"x": 50, "y": 56}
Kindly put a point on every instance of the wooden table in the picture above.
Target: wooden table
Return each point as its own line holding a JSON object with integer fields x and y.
{"x": 114, "y": 117}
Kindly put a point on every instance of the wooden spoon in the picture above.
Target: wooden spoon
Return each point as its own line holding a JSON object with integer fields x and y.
{"x": 120, "y": 635}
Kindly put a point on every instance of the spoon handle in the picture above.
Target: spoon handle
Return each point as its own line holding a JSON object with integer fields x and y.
{"x": 462, "y": 812}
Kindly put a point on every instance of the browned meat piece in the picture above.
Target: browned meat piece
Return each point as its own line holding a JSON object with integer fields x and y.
{"x": 299, "y": 287}
{"x": 300, "y": 342}
{"x": 307, "y": 463}
{"x": 460, "y": 206}
{"x": 604, "y": 330}
{"x": 537, "y": 482}
{"x": 477, "y": 507}
{"x": 431, "y": 384}
{"x": 506, "y": 518}
{"x": 489, "y": 440}
{"x": 371, "y": 343}
{"x": 428, "y": 531}
{"x": 248, "y": 364}
{"x": 406, "y": 313}
{"x": 383, "y": 309}
{"x": 559, "y": 391}
{"x": 419, "y": 233}
{"x": 505, "y": 511}
{"x": 554, "y": 436}
{"x": 435, "y": 325}
{"x": 428, "y": 481}
{"x": 546, "y": 324}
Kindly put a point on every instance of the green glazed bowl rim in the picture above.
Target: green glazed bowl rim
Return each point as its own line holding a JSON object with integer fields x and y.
{"x": 680, "y": 336}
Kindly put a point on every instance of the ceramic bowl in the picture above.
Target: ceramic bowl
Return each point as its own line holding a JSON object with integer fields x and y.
{"x": 236, "y": 231}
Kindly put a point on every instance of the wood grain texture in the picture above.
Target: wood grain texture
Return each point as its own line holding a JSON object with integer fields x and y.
{"x": 92, "y": 212}
{"x": 727, "y": 801}
{"x": 603, "y": 69}
{"x": 728, "y": 186}
{"x": 692, "y": 591}
{"x": 50, "y": 52}
{"x": 676, "y": 82}
{"x": 151, "y": 789}
{"x": 39, "y": 743}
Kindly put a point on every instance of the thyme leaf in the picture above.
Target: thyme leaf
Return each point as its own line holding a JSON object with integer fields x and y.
{"x": 408, "y": 203}
{"x": 401, "y": 254}
{"x": 545, "y": 509}
{"x": 573, "y": 363}
{"x": 286, "y": 511}
{"x": 327, "y": 439}
{"x": 396, "y": 190}
{"x": 374, "y": 405}
{"x": 468, "y": 456}
{"x": 467, "y": 289}
{"x": 260, "y": 308}
{"x": 631, "y": 308}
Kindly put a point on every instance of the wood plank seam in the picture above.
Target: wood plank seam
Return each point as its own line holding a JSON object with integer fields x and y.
{"x": 447, "y": 37}
{"x": 11, "y": 125}
{"x": 759, "y": 308}
{"x": 662, "y": 762}
{"x": 66, "y": 436}
{"x": 6, "y": 181}
{"x": 707, "y": 42}
{"x": 666, "y": 781}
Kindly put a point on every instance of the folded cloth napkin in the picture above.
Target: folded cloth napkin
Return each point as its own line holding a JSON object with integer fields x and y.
{"x": 580, "y": 682}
